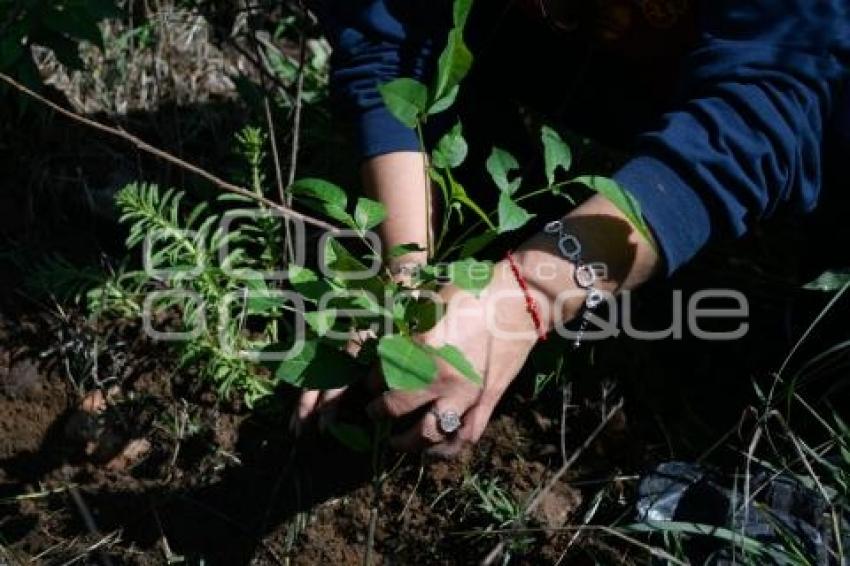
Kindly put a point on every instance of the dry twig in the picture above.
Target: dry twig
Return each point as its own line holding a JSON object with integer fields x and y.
{"x": 146, "y": 147}
{"x": 499, "y": 549}
{"x": 88, "y": 520}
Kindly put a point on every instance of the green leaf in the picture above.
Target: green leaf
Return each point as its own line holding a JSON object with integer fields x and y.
{"x": 320, "y": 190}
{"x": 404, "y": 249}
{"x": 368, "y": 214}
{"x": 460, "y": 13}
{"x": 556, "y": 153}
{"x": 352, "y": 436}
{"x": 830, "y": 281}
{"x": 471, "y": 275}
{"x": 451, "y": 150}
{"x": 339, "y": 260}
{"x": 499, "y": 165}
{"x": 307, "y": 283}
{"x": 423, "y": 314}
{"x": 474, "y": 245}
{"x": 458, "y": 194}
{"x": 318, "y": 366}
{"x": 406, "y": 365}
{"x": 511, "y": 215}
{"x": 446, "y": 102}
{"x": 324, "y": 197}
{"x": 458, "y": 360}
{"x": 261, "y": 300}
{"x": 622, "y": 200}
{"x": 454, "y": 64}
{"x": 321, "y": 321}
{"x": 360, "y": 300}
{"x": 406, "y": 99}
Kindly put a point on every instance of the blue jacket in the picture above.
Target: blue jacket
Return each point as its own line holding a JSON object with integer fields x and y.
{"x": 760, "y": 92}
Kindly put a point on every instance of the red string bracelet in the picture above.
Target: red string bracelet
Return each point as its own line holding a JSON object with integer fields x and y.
{"x": 530, "y": 304}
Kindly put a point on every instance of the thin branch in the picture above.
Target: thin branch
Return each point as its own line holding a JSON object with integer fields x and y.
{"x": 88, "y": 519}
{"x": 278, "y": 173}
{"x": 146, "y": 147}
{"x": 286, "y": 196}
{"x": 296, "y": 116}
{"x": 499, "y": 549}
{"x": 566, "y": 401}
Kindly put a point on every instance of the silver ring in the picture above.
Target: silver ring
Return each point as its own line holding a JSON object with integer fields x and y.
{"x": 448, "y": 421}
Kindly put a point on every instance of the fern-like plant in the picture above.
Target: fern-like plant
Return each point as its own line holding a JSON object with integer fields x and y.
{"x": 204, "y": 265}
{"x": 180, "y": 257}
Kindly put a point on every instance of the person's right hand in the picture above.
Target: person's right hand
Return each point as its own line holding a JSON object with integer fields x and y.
{"x": 495, "y": 334}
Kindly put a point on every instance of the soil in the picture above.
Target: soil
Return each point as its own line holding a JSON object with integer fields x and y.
{"x": 237, "y": 489}
{"x": 215, "y": 483}
{"x": 157, "y": 468}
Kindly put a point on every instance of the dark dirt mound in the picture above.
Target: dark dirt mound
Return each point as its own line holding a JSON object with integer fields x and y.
{"x": 221, "y": 486}
{"x": 224, "y": 485}
{"x": 30, "y": 404}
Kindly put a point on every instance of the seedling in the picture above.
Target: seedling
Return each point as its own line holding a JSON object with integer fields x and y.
{"x": 329, "y": 302}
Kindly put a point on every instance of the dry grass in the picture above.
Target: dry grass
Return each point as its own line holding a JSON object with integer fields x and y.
{"x": 169, "y": 57}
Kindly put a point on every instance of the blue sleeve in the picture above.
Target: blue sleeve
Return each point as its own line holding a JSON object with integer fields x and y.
{"x": 376, "y": 41}
{"x": 757, "y": 97}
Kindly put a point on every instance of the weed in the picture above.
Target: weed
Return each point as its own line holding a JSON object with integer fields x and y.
{"x": 501, "y": 510}
{"x": 817, "y": 461}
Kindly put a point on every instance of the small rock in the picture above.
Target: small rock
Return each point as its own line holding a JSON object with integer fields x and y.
{"x": 557, "y": 506}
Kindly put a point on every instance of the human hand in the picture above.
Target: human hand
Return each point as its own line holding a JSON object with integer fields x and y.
{"x": 495, "y": 333}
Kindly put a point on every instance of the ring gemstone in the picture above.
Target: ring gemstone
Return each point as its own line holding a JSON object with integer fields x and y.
{"x": 449, "y": 421}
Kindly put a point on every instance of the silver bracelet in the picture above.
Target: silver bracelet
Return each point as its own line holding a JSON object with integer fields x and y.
{"x": 584, "y": 274}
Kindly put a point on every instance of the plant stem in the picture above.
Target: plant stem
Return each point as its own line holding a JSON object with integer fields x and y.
{"x": 296, "y": 142}
{"x": 472, "y": 204}
{"x": 465, "y": 235}
{"x": 428, "y": 236}
{"x": 381, "y": 432}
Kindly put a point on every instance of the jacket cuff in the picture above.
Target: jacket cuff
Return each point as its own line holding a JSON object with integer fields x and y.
{"x": 678, "y": 217}
{"x": 379, "y": 132}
